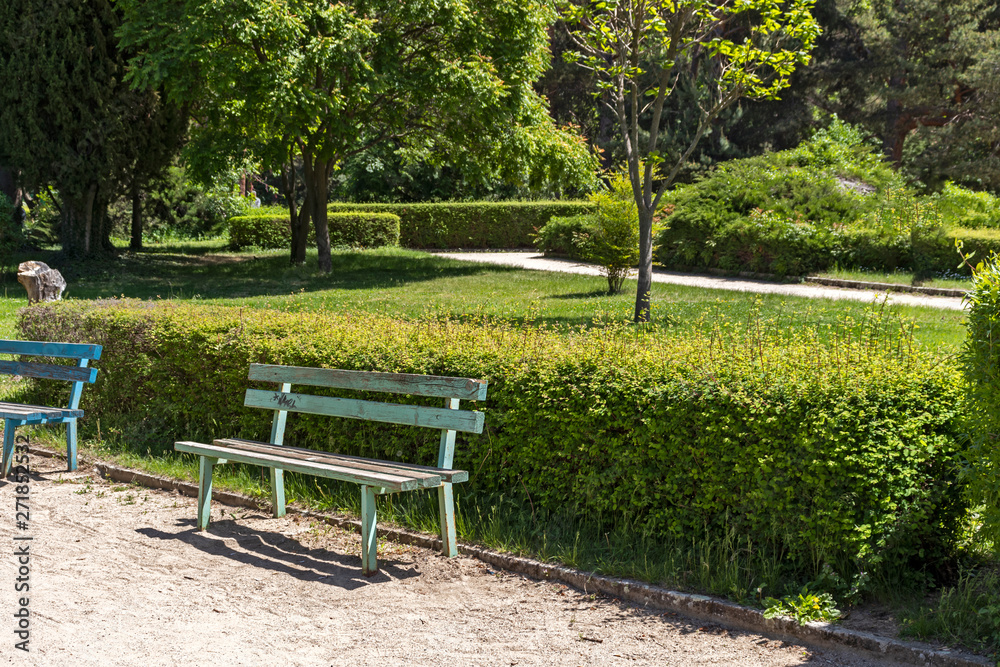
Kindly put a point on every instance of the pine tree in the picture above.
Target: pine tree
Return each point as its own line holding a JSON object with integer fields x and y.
{"x": 68, "y": 118}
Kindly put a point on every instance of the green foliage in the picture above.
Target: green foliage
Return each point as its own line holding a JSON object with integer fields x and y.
{"x": 829, "y": 202}
{"x": 561, "y": 235}
{"x": 967, "y": 614}
{"x": 266, "y": 228}
{"x": 804, "y": 607}
{"x": 480, "y": 225}
{"x": 325, "y": 81}
{"x": 69, "y": 119}
{"x": 981, "y": 362}
{"x": 41, "y": 222}
{"x": 841, "y": 454}
{"x": 176, "y": 207}
{"x": 960, "y": 207}
{"x": 261, "y": 231}
{"x": 614, "y": 241}
{"x": 11, "y": 234}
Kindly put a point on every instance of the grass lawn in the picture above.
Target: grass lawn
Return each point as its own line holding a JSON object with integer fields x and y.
{"x": 413, "y": 284}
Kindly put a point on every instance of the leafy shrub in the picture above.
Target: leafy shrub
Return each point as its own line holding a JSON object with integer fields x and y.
{"x": 561, "y": 235}
{"x": 981, "y": 361}
{"x": 613, "y": 242}
{"x": 763, "y": 242}
{"x": 176, "y": 207}
{"x": 842, "y": 454}
{"x": 269, "y": 228}
{"x": 364, "y": 229}
{"x": 261, "y": 230}
{"x": 961, "y": 207}
{"x": 452, "y": 225}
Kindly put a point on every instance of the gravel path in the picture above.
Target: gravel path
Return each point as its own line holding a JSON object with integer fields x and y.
{"x": 531, "y": 260}
{"x": 119, "y": 576}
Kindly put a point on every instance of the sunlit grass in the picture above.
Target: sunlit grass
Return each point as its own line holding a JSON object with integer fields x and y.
{"x": 413, "y": 284}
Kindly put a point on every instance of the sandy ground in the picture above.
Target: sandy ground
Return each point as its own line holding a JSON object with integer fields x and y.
{"x": 536, "y": 261}
{"x": 119, "y": 576}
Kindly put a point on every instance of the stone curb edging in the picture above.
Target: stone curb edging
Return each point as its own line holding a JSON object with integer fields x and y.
{"x": 888, "y": 287}
{"x": 700, "y": 607}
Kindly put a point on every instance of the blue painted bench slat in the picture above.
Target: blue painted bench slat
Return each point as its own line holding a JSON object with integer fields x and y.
{"x": 17, "y": 414}
{"x": 375, "y": 476}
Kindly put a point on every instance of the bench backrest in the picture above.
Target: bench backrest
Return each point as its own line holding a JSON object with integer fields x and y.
{"x": 449, "y": 419}
{"x": 78, "y": 374}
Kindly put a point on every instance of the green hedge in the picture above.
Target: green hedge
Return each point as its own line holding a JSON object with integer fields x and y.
{"x": 981, "y": 361}
{"x": 839, "y": 454}
{"x": 767, "y": 242}
{"x": 270, "y": 229}
{"x": 478, "y": 225}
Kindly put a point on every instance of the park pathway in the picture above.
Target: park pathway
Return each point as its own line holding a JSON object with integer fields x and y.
{"x": 535, "y": 261}
{"x": 120, "y": 576}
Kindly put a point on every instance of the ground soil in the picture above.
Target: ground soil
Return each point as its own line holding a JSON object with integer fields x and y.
{"x": 120, "y": 576}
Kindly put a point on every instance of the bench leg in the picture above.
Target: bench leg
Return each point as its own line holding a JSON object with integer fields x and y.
{"x": 278, "y": 492}
{"x": 205, "y": 465}
{"x": 71, "y": 444}
{"x": 9, "y": 425}
{"x": 446, "y": 508}
{"x": 369, "y": 540}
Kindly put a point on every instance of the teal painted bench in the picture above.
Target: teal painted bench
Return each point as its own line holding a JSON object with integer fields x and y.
{"x": 376, "y": 477}
{"x": 17, "y": 414}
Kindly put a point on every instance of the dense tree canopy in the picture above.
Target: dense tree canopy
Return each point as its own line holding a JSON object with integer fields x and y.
{"x": 68, "y": 118}
{"x": 447, "y": 80}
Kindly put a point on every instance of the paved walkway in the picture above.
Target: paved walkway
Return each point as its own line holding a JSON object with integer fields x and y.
{"x": 535, "y": 261}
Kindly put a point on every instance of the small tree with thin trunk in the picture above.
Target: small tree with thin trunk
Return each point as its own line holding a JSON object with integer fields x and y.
{"x": 640, "y": 50}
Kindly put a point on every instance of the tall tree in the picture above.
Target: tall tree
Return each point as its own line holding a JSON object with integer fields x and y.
{"x": 906, "y": 68}
{"x": 325, "y": 81}
{"x": 639, "y": 51}
{"x": 67, "y": 117}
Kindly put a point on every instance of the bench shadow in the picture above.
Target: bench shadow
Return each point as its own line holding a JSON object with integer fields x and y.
{"x": 280, "y": 553}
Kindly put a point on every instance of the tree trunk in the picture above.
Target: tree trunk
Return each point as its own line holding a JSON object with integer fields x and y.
{"x": 316, "y": 179}
{"x": 297, "y": 217}
{"x": 9, "y": 187}
{"x": 642, "y": 296}
{"x": 85, "y": 226}
{"x": 135, "y": 243}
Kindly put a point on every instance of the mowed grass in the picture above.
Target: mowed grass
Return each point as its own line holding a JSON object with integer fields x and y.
{"x": 415, "y": 284}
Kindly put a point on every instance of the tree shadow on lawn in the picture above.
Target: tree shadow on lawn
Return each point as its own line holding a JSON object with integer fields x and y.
{"x": 173, "y": 275}
{"x": 279, "y": 553}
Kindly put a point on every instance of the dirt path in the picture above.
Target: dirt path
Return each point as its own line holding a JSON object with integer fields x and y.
{"x": 533, "y": 260}
{"x": 119, "y": 576}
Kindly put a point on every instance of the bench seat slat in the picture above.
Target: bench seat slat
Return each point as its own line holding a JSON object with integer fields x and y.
{"x": 48, "y": 371}
{"x": 357, "y": 462}
{"x": 466, "y": 421}
{"x": 391, "y": 482}
{"x": 25, "y": 412}
{"x": 40, "y": 349}
{"x": 394, "y": 383}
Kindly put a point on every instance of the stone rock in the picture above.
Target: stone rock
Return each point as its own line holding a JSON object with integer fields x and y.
{"x": 42, "y": 282}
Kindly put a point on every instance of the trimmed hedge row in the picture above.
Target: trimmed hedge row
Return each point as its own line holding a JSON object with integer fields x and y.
{"x": 359, "y": 229}
{"x": 479, "y": 225}
{"x": 767, "y": 242}
{"x": 843, "y": 455}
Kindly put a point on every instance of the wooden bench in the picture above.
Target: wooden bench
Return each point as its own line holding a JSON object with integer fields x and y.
{"x": 17, "y": 414}
{"x": 375, "y": 476}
